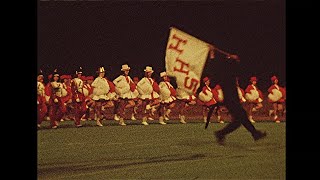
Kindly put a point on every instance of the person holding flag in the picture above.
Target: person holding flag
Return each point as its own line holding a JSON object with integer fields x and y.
{"x": 228, "y": 82}
{"x": 185, "y": 60}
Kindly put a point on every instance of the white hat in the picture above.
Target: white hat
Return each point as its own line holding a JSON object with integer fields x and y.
{"x": 40, "y": 73}
{"x": 79, "y": 71}
{"x": 148, "y": 69}
{"x": 101, "y": 69}
{"x": 55, "y": 73}
{"x": 125, "y": 67}
{"x": 162, "y": 74}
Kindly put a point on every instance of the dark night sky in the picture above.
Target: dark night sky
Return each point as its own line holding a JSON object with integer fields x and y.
{"x": 90, "y": 34}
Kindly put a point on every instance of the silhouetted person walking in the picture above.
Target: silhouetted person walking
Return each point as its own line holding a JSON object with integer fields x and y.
{"x": 228, "y": 69}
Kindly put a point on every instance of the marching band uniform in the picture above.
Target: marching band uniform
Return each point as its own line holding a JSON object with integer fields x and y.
{"x": 254, "y": 96}
{"x": 148, "y": 89}
{"x": 41, "y": 100}
{"x": 78, "y": 97}
{"x": 218, "y": 95}
{"x": 103, "y": 90}
{"x": 87, "y": 91}
{"x": 137, "y": 100}
{"x": 167, "y": 97}
{"x": 276, "y": 96}
{"x": 67, "y": 95}
{"x": 124, "y": 87}
{"x": 57, "y": 108}
{"x": 207, "y": 98}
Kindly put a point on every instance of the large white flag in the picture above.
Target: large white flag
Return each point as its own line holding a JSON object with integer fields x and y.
{"x": 185, "y": 60}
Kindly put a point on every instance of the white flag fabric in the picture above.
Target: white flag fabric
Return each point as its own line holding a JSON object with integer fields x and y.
{"x": 185, "y": 60}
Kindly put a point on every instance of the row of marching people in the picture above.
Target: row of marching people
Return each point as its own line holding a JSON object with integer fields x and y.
{"x": 212, "y": 98}
{"x": 84, "y": 97}
{"x": 88, "y": 97}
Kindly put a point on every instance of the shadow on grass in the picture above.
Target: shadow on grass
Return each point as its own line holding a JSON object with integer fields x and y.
{"x": 108, "y": 164}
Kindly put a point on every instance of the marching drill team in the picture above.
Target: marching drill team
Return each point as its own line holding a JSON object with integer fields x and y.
{"x": 87, "y": 98}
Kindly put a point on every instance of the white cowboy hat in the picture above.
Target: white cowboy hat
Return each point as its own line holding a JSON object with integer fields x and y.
{"x": 125, "y": 67}
{"x": 148, "y": 69}
{"x": 163, "y": 74}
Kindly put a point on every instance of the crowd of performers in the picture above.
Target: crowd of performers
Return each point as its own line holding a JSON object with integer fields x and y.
{"x": 80, "y": 98}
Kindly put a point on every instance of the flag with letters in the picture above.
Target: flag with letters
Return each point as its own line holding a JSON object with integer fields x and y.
{"x": 185, "y": 59}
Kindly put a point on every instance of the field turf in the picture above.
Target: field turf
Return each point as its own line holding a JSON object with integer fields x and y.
{"x": 172, "y": 151}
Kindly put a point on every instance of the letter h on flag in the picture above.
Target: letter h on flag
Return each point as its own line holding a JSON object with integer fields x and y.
{"x": 185, "y": 59}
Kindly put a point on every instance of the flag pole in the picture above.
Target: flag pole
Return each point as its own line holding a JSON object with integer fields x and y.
{"x": 229, "y": 56}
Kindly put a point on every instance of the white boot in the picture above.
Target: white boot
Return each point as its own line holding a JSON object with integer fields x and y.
{"x": 132, "y": 117}
{"x": 251, "y": 119}
{"x": 219, "y": 119}
{"x": 153, "y": 110}
{"x": 116, "y": 117}
{"x": 182, "y": 119}
{"x": 99, "y": 123}
{"x": 205, "y": 119}
{"x": 166, "y": 116}
{"x": 144, "y": 121}
{"x": 161, "y": 120}
{"x": 83, "y": 118}
{"x": 121, "y": 122}
{"x": 270, "y": 112}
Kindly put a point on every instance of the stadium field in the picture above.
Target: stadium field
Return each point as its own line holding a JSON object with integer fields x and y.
{"x": 171, "y": 151}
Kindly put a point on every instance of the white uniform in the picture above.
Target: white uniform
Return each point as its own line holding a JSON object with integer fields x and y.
{"x": 122, "y": 84}
{"x": 145, "y": 89}
{"x": 100, "y": 89}
{"x": 40, "y": 89}
{"x": 57, "y": 88}
{"x": 253, "y": 94}
{"x": 165, "y": 93}
{"x": 79, "y": 84}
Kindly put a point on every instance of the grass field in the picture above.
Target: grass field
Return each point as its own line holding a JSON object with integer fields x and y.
{"x": 172, "y": 151}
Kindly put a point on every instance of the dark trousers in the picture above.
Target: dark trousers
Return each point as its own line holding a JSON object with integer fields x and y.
{"x": 239, "y": 117}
